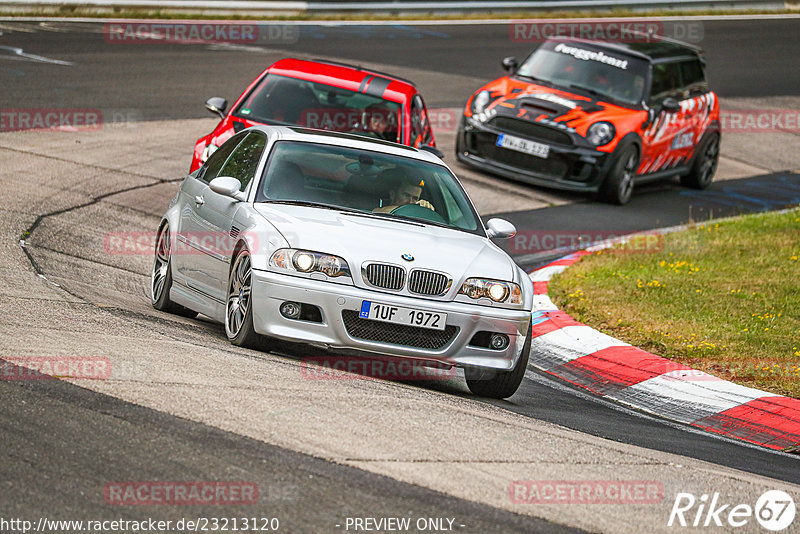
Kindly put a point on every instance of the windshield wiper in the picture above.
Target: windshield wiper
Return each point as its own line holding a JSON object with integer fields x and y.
{"x": 587, "y": 89}
{"x": 421, "y": 222}
{"x": 315, "y": 205}
{"x": 535, "y": 79}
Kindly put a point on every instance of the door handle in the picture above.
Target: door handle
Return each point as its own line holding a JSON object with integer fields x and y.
{"x": 199, "y": 200}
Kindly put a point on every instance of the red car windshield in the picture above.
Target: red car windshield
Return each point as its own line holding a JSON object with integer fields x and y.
{"x": 289, "y": 101}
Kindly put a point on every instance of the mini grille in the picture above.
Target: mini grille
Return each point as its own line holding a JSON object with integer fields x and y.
{"x": 397, "y": 334}
{"x": 428, "y": 283}
{"x": 531, "y": 129}
{"x": 385, "y": 276}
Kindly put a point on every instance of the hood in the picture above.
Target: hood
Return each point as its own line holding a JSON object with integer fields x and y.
{"x": 359, "y": 239}
{"x": 566, "y": 111}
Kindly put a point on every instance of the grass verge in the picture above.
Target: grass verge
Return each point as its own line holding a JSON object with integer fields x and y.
{"x": 720, "y": 297}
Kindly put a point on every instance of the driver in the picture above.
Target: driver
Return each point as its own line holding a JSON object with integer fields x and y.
{"x": 405, "y": 191}
{"x": 379, "y": 121}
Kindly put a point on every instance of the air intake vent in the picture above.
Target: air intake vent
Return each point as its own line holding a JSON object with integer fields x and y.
{"x": 428, "y": 283}
{"x": 385, "y": 276}
{"x": 234, "y": 232}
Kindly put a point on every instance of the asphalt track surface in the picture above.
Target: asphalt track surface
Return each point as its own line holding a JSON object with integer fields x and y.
{"x": 171, "y": 81}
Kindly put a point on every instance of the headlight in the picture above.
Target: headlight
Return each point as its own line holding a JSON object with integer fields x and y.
{"x": 498, "y": 291}
{"x": 600, "y": 133}
{"x": 207, "y": 151}
{"x": 304, "y": 261}
{"x": 480, "y": 101}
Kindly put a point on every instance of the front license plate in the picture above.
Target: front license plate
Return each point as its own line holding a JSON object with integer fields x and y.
{"x": 523, "y": 145}
{"x": 397, "y": 315}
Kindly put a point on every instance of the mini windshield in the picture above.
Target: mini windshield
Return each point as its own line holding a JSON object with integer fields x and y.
{"x": 579, "y": 68}
{"x": 375, "y": 183}
{"x": 289, "y": 101}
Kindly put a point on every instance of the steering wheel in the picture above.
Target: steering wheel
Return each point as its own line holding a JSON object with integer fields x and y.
{"x": 415, "y": 211}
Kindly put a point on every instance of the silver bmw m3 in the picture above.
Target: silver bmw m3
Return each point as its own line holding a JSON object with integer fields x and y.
{"x": 345, "y": 242}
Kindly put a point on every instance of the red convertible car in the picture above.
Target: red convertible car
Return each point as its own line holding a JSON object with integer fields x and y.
{"x": 326, "y": 96}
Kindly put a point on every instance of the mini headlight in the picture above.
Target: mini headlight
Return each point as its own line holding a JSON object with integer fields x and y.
{"x": 498, "y": 291}
{"x": 600, "y": 133}
{"x": 305, "y": 261}
{"x": 480, "y": 101}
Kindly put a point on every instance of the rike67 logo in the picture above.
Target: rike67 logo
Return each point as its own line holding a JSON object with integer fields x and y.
{"x": 774, "y": 510}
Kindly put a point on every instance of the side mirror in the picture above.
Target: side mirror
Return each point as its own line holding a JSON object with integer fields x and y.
{"x": 218, "y": 105}
{"x": 670, "y": 104}
{"x": 227, "y": 186}
{"x": 500, "y": 229}
{"x": 511, "y": 64}
{"x": 433, "y": 150}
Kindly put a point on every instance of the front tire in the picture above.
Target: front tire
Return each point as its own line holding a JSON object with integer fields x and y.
{"x": 161, "y": 278}
{"x": 239, "y": 305}
{"x": 618, "y": 185}
{"x": 502, "y": 384}
{"x": 705, "y": 164}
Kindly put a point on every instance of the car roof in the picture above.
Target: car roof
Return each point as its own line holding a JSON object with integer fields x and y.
{"x": 344, "y": 75}
{"x": 297, "y": 133}
{"x": 660, "y": 48}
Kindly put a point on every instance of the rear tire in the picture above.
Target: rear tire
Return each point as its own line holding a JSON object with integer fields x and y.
{"x": 501, "y": 384}
{"x": 705, "y": 164}
{"x": 161, "y": 278}
{"x": 618, "y": 185}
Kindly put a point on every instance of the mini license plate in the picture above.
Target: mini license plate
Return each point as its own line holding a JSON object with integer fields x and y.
{"x": 398, "y": 315}
{"x": 523, "y": 145}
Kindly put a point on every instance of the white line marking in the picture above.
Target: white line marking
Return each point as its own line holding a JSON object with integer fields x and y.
{"x": 19, "y": 53}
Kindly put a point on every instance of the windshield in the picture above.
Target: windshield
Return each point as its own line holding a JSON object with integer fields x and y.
{"x": 579, "y": 67}
{"x": 289, "y": 101}
{"x": 375, "y": 183}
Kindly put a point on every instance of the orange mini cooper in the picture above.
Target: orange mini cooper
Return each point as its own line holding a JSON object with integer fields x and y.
{"x": 597, "y": 117}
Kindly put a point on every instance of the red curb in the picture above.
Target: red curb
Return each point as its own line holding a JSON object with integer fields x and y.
{"x": 773, "y": 422}
{"x": 556, "y": 320}
{"x": 540, "y": 288}
{"x": 616, "y": 368}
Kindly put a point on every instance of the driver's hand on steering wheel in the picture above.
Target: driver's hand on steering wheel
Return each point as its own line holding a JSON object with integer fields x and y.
{"x": 425, "y": 204}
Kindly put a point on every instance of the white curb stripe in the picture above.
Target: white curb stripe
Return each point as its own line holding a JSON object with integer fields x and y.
{"x": 543, "y": 303}
{"x": 546, "y": 273}
{"x": 687, "y": 395}
{"x": 569, "y": 343}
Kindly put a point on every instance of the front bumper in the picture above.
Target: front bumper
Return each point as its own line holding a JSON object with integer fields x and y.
{"x": 270, "y": 290}
{"x": 567, "y": 167}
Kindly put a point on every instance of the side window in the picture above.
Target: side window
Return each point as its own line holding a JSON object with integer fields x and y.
{"x": 243, "y": 161}
{"x": 693, "y": 77}
{"x": 666, "y": 82}
{"x": 420, "y": 126}
{"x": 212, "y": 167}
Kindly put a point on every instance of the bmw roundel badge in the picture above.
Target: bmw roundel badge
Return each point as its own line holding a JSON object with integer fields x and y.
{"x": 407, "y": 257}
